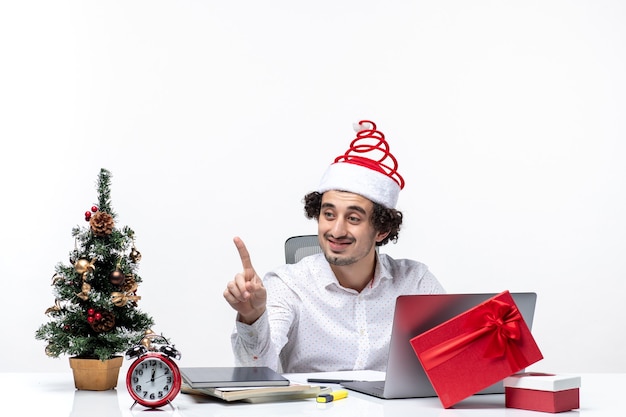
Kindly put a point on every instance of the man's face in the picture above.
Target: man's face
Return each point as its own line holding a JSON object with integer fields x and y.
{"x": 345, "y": 231}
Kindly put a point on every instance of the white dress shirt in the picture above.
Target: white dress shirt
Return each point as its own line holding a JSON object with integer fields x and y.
{"x": 313, "y": 324}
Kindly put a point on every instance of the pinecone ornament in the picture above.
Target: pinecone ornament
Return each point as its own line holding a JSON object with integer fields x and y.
{"x": 101, "y": 224}
{"x": 130, "y": 285}
{"x": 105, "y": 323}
{"x": 127, "y": 294}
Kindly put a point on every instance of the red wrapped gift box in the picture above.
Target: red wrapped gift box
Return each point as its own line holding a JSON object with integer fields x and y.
{"x": 542, "y": 392}
{"x": 476, "y": 349}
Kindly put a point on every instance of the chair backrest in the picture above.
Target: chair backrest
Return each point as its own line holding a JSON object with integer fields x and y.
{"x": 297, "y": 247}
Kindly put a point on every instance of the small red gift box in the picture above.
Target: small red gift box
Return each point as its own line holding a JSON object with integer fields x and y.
{"x": 476, "y": 349}
{"x": 542, "y": 392}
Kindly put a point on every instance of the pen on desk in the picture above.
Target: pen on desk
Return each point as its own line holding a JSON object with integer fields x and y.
{"x": 333, "y": 396}
{"x": 328, "y": 381}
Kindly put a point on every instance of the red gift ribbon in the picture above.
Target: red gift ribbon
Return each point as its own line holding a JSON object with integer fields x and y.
{"x": 495, "y": 319}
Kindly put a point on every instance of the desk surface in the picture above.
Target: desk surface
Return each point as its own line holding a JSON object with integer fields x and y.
{"x": 53, "y": 394}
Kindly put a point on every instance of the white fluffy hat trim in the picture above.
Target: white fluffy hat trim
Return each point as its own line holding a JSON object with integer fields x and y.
{"x": 373, "y": 185}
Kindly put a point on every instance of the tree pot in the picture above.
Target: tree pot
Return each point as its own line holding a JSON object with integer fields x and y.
{"x": 94, "y": 374}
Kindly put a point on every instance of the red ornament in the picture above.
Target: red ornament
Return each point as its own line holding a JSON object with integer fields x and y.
{"x": 88, "y": 213}
{"x": 98, "y": 316}
{"x": 90, "y": 319}
{"x": 91, "y": 311}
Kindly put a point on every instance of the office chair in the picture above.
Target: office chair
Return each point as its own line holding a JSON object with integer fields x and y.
{"x": 297, "y": 247}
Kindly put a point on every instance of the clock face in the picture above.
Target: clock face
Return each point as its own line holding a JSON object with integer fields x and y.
{"x": 153, "y": 380}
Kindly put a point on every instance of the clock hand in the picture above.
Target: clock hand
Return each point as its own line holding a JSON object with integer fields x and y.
{"x": 161, "y": 376}
{"x": 153, "y": 372}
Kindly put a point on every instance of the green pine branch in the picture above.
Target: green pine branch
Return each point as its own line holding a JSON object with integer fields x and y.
{"x": 103, "y": 185}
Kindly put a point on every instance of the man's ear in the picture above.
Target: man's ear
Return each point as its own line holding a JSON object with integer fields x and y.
{"x": 380, "y": 236}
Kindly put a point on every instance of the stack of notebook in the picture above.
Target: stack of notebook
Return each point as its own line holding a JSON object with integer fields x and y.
{"x": 250, "y": 384}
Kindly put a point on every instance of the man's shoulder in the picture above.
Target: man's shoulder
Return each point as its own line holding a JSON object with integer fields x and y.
{"x": 401, "y": 267}
{"x": 409, "y": 276}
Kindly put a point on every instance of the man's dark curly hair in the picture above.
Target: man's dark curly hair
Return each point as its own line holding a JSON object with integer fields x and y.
{"x": 383, "y": 219}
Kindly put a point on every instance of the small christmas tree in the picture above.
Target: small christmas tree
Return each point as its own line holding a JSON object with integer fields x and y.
{"x": 95, "y": 312}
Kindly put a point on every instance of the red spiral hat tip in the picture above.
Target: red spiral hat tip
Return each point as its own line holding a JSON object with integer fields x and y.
{"x": 372, "y": 142}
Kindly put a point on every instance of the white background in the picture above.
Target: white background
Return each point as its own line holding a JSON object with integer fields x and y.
{"x": 215, "y": 118}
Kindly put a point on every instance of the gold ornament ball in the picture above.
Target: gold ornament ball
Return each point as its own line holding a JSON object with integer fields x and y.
{"x": 135, "y": 255}
{"x": 49, "y": 351}
{"x": 147, "y": 340}
{"x": 83, "y": 265}
{"x": 147, "y": 343}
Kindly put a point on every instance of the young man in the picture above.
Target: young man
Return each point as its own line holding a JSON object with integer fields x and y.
{"x": 333, "y": 311}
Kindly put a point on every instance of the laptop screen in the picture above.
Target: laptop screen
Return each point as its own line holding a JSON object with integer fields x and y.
{"x": 415, "y": 314}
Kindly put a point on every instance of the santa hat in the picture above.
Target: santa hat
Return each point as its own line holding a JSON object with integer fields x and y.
{"x": 367, "y": 168}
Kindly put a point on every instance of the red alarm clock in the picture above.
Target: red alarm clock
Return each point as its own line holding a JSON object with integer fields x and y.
{"x": 153, "y": 379}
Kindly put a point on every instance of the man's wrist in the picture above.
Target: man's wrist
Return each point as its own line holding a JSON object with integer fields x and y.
{"x": 250, "y": 318}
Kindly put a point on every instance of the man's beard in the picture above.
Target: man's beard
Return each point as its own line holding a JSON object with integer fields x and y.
{"x": 338, "y": 261}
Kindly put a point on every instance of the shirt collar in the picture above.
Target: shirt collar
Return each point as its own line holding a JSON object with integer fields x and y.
{"x": 381, "y": 273}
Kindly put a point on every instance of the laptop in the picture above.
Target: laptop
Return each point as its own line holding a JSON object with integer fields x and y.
{"x": 414, "y": 314}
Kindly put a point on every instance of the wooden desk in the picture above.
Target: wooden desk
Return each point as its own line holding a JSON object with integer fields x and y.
{"x": 53, "y": 394}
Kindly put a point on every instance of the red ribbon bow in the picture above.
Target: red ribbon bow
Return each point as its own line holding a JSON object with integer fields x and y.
{"x": 498, "y": 321}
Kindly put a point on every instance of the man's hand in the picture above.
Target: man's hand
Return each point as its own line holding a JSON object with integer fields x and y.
{"x": 246, "y": 293}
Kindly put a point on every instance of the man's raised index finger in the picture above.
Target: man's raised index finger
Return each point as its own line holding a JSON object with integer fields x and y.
{"x": 243, "y": 253}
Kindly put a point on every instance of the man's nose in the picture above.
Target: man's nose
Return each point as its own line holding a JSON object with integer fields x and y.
{"x": 339, "y": 228}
